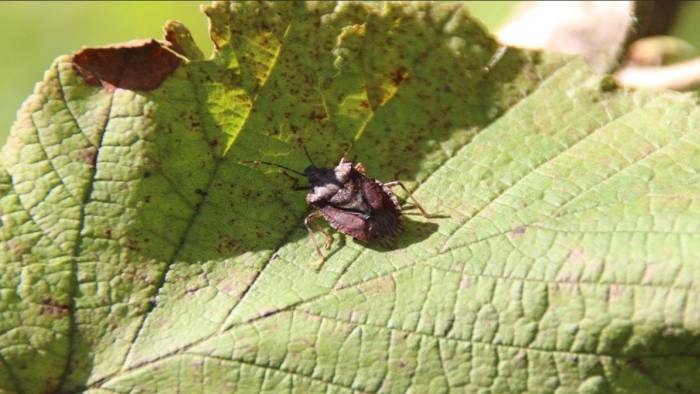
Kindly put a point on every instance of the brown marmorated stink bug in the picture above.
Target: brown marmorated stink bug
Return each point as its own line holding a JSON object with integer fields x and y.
{"x": 350, "y": 201}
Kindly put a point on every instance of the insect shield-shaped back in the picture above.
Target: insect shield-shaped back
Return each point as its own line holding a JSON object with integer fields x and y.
{"x": 352, "y": 202}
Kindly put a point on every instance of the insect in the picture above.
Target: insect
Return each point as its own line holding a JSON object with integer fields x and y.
{"x": 350, "y": 201}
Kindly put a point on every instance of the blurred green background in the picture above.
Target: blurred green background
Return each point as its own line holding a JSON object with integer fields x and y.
{"x": 34, "y": 33}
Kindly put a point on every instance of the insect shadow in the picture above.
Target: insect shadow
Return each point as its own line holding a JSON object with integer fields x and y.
{"x": 412, "y": 232}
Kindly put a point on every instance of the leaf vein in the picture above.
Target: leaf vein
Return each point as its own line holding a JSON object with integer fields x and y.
{"x": 486, "y": 343}
{"x": 62, "y": 92}
{"x": 285, "y": 371}
{"x": 87, "y": 195}
{"x": 562, "y": 282}
{"x": 50, "y": 160}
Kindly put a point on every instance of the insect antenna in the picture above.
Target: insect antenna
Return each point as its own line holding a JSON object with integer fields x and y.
{"x": 258, "y": 162}
{"x": 308, "y": 156}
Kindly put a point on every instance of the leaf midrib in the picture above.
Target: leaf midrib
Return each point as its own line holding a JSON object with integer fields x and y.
{"x": 219, "y": 159}
{"x": 77, "y": 248}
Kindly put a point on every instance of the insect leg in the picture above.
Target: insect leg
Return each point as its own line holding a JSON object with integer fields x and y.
{"x": 295, "y": 182}
{"x": 307, "y": 224}
{"x": 420, "y": 208}
{"x": 328, "y": 238}
{"x": 495, "y": 58}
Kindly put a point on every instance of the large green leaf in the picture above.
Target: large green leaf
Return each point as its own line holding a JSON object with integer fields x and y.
{"x": 139, "y": 255}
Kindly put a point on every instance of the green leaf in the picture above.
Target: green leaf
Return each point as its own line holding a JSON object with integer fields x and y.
{"x": 139, "y": 254}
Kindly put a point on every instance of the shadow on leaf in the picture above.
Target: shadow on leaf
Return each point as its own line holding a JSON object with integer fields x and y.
{"x": 412, "y": 232}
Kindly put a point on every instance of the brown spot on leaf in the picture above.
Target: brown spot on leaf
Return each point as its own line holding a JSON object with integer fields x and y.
{"x": 16, "y": 247}
{"x": 135, "y": 65}
{"x": 399, "y": 75}
{"x": 568, "y": 278}
{"x": 518, "y": 232}
{"x": 89, "y": 155}
{"x": 192, "y": 290}
{"x": 638, "y": 364}
{"x": 51, "y": 307}
{"x": 319, "y": 116}
{"x": 132, "y": 244}
{"x": 615, "y": 292}
{"x": 227, "y": 245}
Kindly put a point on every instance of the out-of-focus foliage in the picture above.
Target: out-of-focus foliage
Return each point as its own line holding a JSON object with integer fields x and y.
{"x": 687, "y": 26}
{"x": 493, "y": 14}
{"x": 34, "y": 33}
